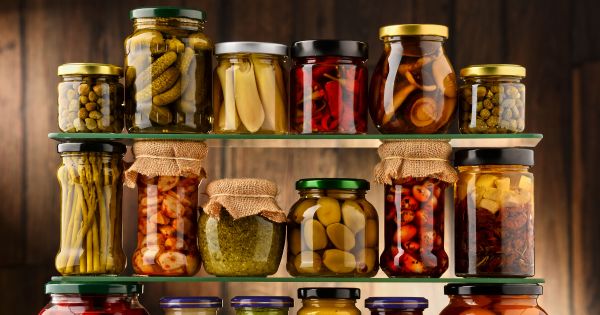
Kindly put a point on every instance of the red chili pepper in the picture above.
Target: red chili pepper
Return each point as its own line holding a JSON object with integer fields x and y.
{"x": 332, "y": 92}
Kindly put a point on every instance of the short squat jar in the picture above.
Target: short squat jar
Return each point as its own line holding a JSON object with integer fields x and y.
{"x": 327, "y": 301}
{"x": 492, "y": 99}
{"x": 396, "y": 305}
{"x": 262, "y": 305}
{"x": 250, "y": 89}
{"x": 191, "y": 305}
{"x": 90, "y": 98}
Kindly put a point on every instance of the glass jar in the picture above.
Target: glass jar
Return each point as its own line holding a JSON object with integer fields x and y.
{"x": 191, "y": 305}
{"x": 414, "y": 228}
{"x": 326, "y": 301}
{"x": 493, "y": 299}
{"x": 494, "y": 213}
{"x": 262, "y": 305}
{"x": 328, "y": 87}
{"x": 250, "y": 90}
{"x": 91, "y": 184}
{"x": 396, "y": 305}
{"x": 492, "y": 99}
{"x": 90, "y": 98}
{"x": 333, "y": 229}
{"x": 167, "y": 226}
{"x": 413, "y": 89}
{"x": 97, "y": 298}
{"x": 168, "y": 65}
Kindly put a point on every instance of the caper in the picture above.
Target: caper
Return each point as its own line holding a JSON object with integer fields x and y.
{"x": 479, "y": 106}
{"x": 481, "y": 92}
{"x": 488, "y": 104}
{"x": 485, "y": 113}
{"x": 492, "y": 121}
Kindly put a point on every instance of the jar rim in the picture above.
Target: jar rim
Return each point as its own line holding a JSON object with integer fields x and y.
{"x": 396, "y": 302}
{"x": 330, "y": 47}
{"x": 191, "y": 302}
{"x": 167, "y": 12}
{"x": 413, "y": 30}
{"x": 492, "y": 289}
{"x": 93, "y": 288}
{"x": 485, "y": 70}
{"x": 494, "y": 156}
{"x": 333, "y": 183}
{"x": 262, "y": 301}
{"x": 251, "y": 47}
{"x": 89, "y": 68}
{"x": 329, "y": 293}
{"x": 109, "y": 147}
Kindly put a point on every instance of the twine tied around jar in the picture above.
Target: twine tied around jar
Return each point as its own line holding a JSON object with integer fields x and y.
{"x": 243, "y": 197}
{"x": 166, "y": 158}
{"x": 409, "y": 158}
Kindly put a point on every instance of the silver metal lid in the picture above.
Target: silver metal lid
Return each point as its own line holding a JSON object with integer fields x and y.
{"x": 250, "y": 47}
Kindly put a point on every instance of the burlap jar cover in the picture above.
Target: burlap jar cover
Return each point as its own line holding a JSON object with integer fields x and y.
{"x": 166, "y": 158}
{"x": 244, "y": 197}
{"x": 408, "y": 158}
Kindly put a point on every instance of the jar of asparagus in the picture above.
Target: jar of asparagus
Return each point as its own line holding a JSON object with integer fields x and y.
{"x": 90, "y": 178}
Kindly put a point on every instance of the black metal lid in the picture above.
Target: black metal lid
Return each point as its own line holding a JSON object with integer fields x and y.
{"x": 330, "y": 47}
{"x": 111, "y": 147}
{"x": 492, "y": 289}
{"x": 329, "y": 293}
{"x": 508, "y": 156}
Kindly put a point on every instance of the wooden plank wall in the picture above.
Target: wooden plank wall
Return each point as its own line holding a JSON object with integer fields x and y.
{"x": 557, "y": 40}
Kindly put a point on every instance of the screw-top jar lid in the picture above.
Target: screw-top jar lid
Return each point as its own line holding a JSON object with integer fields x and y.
{"x": 93, "y": 288}
{"x": 262, "y": 301}
{"x": 492, "y": 289}
{"x": 167, "y": 12}
{"x": 399, "y": 303}
{"x": 333, "y": 183}
{"x": 493, "y": 70}
{"x": 329, "y": 293}
{"x": 413, "y": 30}
{"x": 507, "y": 156}
{"x": 330, "y": 47}
{"x": 250, "y": 47}
{"x": 191, "y": 302}
{"x": 89, "y": 68}
{"x": 111, "y": 147}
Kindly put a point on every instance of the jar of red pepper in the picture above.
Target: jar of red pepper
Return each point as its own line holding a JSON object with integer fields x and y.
{"x": 329, "y": 87}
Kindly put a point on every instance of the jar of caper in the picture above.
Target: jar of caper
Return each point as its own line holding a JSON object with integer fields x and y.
{"x": 492, "y": 99}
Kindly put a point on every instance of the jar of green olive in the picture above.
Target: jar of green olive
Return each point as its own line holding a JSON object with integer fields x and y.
{"x": 90, "y": 98}
{"x": 492, "y": 99}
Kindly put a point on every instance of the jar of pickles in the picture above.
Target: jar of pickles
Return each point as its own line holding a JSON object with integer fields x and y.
{"x": 332, "y": 229}
{"x": 168, "y": 66}
{"x": 492, "y": 99}
{"x": 396, "y": 305}
{"x": 90, "y": 98}
{"x": 261, "y": 305}
{"x": 250, "y": 89}
{"x": 326, "y": 301}
{"x": 413, "y": 89}
{"x": 329, "y": 87}
{"x": 494, "y": 213}
{"x": 493, "y": 299}
{"x": 191, "y": 305}
{"x": 91, "y": 184}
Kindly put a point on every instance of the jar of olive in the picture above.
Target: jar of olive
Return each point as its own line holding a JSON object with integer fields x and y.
{"x": 168, "y": 65}
{"x": 492, "y": 99}
{"x": 90, "y": 98}
{"x": 332, "y": 229}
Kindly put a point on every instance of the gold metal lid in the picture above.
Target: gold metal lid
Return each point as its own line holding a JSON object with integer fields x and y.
{"x": 414, "y": 30}
{"x": 493, "y": 70}
{"x": 89, "y": 68}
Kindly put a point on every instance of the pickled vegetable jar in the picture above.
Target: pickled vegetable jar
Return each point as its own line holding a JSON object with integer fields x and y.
{"x": 191, "y": 305}
{"x": 332, "y": 229}
{"x": 91, "y": 182}
{"x": 326, "y": 301}
{"x": 329, "y": 87}
{"x": 413, "y": 89}
{"x": 168, "y": 66}
{"x": 167, "y": 226}
{"x": 262, "y": 305}
{"x": 90, "y": 98}
{"x": 97, "y": 298}
{"x": 250, "y": 90}
{"x": 492, "y": 99}
{"x": 494, "y": 213}
{"x": 396, "y": 305}
{"x": 493, "y": 299}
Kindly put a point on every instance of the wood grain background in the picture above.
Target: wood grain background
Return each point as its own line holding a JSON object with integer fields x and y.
{"x": 557, "y": 40}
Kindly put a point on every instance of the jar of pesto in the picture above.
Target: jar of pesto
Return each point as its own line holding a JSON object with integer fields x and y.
{"x": 263, "y": 305}
{"x": 191, "y": 305}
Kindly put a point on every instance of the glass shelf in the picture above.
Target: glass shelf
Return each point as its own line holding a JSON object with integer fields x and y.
{"x": 144, "y": 279}
{"x": 314, "y": 141}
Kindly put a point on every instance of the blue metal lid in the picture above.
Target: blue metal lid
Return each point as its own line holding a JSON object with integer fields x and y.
{"x": 262, "y": 301}
{"x": 191, "y": 302}
{"x": 402, "y": 303}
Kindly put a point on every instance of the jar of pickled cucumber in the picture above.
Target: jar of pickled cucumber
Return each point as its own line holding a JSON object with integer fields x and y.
{"x": 492, "y": 99}
{"x": 90, "y": 98}
{"x": 494, "y": 213}
{"x": 326, "y": 301}
{"x": 250, "y": 90}
{"x": 396, "y": 305}
{"x": 262, "y": 305}
{"x": 191, "y": 305}
{"x": 333, "y": 229}
{"x": 168, "y": 66}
